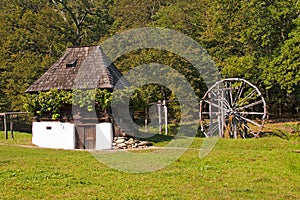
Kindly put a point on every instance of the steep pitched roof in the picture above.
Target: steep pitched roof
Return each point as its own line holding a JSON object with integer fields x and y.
{"x": 79, "y": 67}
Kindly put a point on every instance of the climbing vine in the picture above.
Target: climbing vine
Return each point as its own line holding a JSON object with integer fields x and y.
{"x": 54, "y": 100}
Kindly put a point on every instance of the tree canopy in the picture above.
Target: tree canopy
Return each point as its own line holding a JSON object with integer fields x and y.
{"x": 253, "y": 39}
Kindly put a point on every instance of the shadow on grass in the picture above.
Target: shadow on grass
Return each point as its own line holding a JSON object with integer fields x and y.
{"x": 280, "y": 134}
{"x": 153, "y": 137}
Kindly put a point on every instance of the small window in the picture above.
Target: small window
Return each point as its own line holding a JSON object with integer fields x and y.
{"x": 48, "y": 127}
{"x": 72, "y": 63}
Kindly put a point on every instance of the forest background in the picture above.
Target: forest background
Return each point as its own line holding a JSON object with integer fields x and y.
{"x": 258, "y": 40}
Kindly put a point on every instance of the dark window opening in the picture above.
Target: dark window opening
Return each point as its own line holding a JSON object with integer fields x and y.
{"x": 72, "y": 63}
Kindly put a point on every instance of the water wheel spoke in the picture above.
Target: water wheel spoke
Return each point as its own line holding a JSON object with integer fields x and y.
{"x": 241, "y": 130}
{"x": 217, "y": 106}
{"x": 239, "y": 93}
{"x": 229, "y": 93}
{"x": 212, "y": 92}
{"x": 250, "y": 121}
{"x": 251, "y": 105}
{"x": 251, "y": 131}
{"x": 213, "y": 129}
{"x": 252, "y": 113}
{"x": 249, "y": 96}
{"x": 208, "y": 113}
{"x": 221, "y": 109}
{"x": 224, "y": 101}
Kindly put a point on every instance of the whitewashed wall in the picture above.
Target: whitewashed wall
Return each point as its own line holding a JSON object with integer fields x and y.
{"x": 104, "y": 136}
{"x": 62, "y": 135}
{"x": 53, "y": 135}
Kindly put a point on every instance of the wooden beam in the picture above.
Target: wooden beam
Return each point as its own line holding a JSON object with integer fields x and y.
{"x": 12, "y": 113}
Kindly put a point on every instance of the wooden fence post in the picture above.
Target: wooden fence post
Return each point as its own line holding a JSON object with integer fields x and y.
{"x": 159, "y": 116}
{"x": 5, "y": 126}
{"x": 11, "y": 127}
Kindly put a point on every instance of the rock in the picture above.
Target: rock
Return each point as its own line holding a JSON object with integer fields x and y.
{"x": 125, "y": 142}
{"x": 145, "y": 143}
{"x": 119, "y": 141}
{"x": 121, "y": 145}
{"x": 130, "y": 142}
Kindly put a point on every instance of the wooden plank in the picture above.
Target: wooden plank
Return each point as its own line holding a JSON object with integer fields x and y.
{"x": 90, "y": 137}
{"x": 85, "y": 135}
{"x": 12, "y": 113}
{"x": 79, "y": 137}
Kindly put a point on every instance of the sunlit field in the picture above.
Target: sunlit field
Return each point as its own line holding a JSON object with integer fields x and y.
{"x": 264, "y": 168}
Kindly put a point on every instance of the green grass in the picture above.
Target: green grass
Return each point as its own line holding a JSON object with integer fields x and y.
{"x": 286, "y": 130}
{"x": 19, "y": 138}
{"x": 265, "y": 168}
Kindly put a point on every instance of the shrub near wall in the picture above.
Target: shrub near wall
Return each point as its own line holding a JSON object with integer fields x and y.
{"x": 52, "y": 102}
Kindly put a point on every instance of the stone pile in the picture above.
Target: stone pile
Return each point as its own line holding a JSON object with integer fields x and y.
{"x": 129, "y": 143}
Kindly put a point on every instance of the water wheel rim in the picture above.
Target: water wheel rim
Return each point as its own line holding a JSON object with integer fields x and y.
{"x": 225, "y": 100}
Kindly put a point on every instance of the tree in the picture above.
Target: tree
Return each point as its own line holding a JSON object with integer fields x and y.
{"x": 251, "y": 39}
{"x": 85, "y": 21}
{"x": 136, "y": 13}
{"x": 281, "y": 74}
{"x": 29, "y": 44}
{"x": 184, "y": 16}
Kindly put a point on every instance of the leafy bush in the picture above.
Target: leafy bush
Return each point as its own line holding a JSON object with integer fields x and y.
{"x": 54, "y": 100}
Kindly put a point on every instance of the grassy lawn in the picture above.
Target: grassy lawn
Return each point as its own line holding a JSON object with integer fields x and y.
{"x": 265, "y": 168}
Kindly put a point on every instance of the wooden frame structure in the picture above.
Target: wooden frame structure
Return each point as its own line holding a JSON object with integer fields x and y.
{"x": 232, "y": 107}
{"x": 8, "y": 116}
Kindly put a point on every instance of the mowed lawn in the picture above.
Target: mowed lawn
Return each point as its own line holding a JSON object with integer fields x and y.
{"x": 265, "y": 168}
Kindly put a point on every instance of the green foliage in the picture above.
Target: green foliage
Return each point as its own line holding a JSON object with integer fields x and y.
{"x": 135, "y": 13}
{"x": 28, "y": 47}
{"x": 85, "y": 21}
{"x": 54, "y": 100}
{"x": 295, "y": 127}
{"x": 172, "y": 129}
{"x": 287, "y": 63}
{"x": 88, "y": 99}
{"x": 183, "y": 16}
{"x": 103, "y": 99}
{"x": 47, "y": 102}
{"x": 84, "y": 98}
{"x": 253, "y": 39}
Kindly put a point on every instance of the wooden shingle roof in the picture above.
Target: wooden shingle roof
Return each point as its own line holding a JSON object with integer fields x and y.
{"x": 79, "y": 67}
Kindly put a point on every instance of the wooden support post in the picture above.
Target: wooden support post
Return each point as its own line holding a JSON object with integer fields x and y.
{"x": 146, "y": 119}
{"x": 159, "y": 116}
{"x": 9, "y": 116}
{"x": 5, "y": 127}
{"x": 11, "y": 127}
{"x": 210, "y": 117}
{"x": 166, "y": 116}
{"x": 222, "y": 120}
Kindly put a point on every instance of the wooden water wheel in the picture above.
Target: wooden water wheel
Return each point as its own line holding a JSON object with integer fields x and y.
{"x": 232, "y": 108}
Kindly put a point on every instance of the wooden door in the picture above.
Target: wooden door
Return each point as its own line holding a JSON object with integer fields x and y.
{"x": 85, "y": 135}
